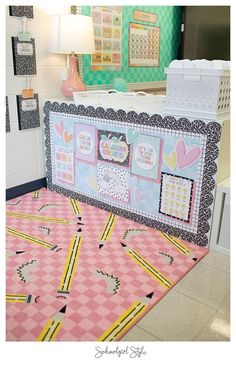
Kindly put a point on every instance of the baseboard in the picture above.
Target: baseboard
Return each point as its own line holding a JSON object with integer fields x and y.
{"x": 25, "y": 188}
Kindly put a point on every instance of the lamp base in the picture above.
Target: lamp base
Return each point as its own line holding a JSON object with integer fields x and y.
{"x": 73, "y": 82}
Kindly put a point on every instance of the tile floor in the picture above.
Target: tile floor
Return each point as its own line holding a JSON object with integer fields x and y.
{"x": 196, "y": 309}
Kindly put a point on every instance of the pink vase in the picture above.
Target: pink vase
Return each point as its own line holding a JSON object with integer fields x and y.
{"x": 73, "y": 82}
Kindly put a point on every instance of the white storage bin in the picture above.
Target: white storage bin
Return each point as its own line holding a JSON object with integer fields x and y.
{"x": 198, "y": 88}
{"x": 220, "y": 231}
{"x": 93, "y": 97}
{"x": 139, "y": 101}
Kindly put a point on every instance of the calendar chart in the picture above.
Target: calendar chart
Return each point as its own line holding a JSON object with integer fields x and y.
{"x": 144, "y": 45}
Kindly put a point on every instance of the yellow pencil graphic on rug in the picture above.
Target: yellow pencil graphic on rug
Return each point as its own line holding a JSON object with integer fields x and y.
{"x": 55, "y": 220}
{"x": 35, "y": 194}
{"x": 126, "y": 320}
{"x": 108, "y": 229}
{"x": 152, "y": 271}
{"x": 21, "y": 298}
{"x": 31, "y": 239}
{"x": 75, "y": 206}
{"x": 52, "y": 327}
{"x": 178, "y": 245}
{"x": 70, "y": 266}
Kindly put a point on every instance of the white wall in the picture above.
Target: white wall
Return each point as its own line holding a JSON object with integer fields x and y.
{"x": 25, "y": 149}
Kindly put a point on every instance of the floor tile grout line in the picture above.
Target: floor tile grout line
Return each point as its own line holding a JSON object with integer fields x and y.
{"x": 204, "y": 325}
{"x": 212, "y": 266}
{"x": 217, "y": 309}
{"x": 192, "y": 298}
{"x": 157, "y": 338}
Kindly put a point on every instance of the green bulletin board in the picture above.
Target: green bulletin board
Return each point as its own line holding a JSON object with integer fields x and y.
{"x": 169, "y": 21}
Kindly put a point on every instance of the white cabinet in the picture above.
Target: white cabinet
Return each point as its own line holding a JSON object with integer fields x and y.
{"x": 220, "y": 233}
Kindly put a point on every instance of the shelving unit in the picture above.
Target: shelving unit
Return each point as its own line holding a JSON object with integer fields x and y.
{"x": 220, "y": 232}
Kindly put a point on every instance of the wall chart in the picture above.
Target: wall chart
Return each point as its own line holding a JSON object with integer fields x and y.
{"x": 144, "y": 45}
{"x": 108, "y": 37}
{"x": 158, "y": 171}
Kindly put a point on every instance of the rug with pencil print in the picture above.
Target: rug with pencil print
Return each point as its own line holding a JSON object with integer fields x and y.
{"x": 75, "y": 272}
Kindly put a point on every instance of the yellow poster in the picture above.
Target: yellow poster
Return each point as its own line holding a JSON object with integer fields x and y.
{"x": 108, "y": 37}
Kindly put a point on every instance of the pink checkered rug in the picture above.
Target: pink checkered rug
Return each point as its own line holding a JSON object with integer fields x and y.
{"x": 79, "y": 273}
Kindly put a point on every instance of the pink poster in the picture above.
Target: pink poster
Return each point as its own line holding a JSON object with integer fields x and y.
{"x": 86, "y": 143}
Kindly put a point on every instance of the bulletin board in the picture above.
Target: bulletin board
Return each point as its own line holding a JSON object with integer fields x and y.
{"x": 154, "y": 170}
{"x": 168, "y": 19}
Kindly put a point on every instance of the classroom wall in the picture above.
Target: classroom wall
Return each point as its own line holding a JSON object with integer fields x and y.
{"x": 25, "y": 149}
{"x": 169, "y": 21}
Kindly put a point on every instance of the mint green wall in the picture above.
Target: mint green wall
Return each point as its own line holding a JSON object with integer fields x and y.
{"x": 169, "y": 21}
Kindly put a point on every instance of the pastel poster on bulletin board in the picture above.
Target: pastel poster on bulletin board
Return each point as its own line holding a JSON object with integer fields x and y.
{"x": 86, "y": 143}
{"x": 113, "y": 148}
{"x": 146, "y": 157}
{"x": 176, "y": 196}
{"x": 113, "y": 182}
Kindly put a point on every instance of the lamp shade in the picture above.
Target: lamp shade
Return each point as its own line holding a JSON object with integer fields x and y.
{"x": 72, "y": 33}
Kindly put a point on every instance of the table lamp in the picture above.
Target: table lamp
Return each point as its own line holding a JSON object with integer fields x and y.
{"x": 72, "y": 34}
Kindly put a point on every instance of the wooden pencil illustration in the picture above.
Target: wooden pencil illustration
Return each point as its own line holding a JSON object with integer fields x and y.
{"x": 70, "y": 266}
{"x": 56, "y": 220}
{"x": 52, "y": 327}
{"x": 178, "y": 245}
{"x": 35, "y": 194}
{"x": 108, "y": 229}
{"x": 18, "y": 298}
{"x": 31, "y": 238}
{"x": 75, "y": 206}
{"x": 143, "y": 263}
{"x": 126, "y": 320}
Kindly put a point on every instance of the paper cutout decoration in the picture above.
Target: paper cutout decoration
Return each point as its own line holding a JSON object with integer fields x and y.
{"x": 145, "y": 157}
{"x": 170, "y": 160}
{"x": 7, "y": 116}
{"x": 67, "y": 137}
{"x": 176, "y": 196}
{"x": 131, "y": 135}
{"x": 64, "y": 164}
{"x": 28, "y": 112}
{"x": 62, "y": 133}
{"x": 186, "y": 156}
{"x": 140, "y": 195}
{"x": 24, "y": 57}
{"x": 113, "y": 182}
{"x": 134, "y": 181}
{"x": 21, "y": 11}
{"x": 59, "y": 129}
{"x": 113, "y": 147}
{"x": 91, "y": 181}
{"x": 86, "y": 142}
